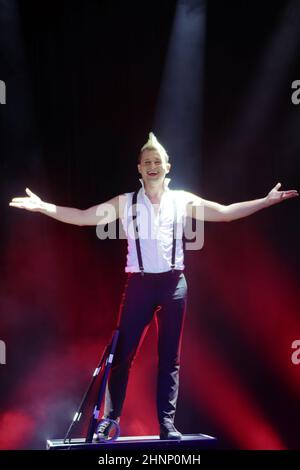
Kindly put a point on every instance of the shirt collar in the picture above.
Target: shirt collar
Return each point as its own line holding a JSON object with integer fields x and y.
{"x": 166, "y": 184}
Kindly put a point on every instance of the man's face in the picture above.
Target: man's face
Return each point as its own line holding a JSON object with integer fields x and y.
{"x": 153, "y": 167}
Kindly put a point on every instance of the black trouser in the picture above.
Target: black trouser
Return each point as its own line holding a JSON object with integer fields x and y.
{"x": 141, "y": 297}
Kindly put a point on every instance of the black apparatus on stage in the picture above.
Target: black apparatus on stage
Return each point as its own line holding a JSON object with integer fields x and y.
{"x": 104, "y": 368}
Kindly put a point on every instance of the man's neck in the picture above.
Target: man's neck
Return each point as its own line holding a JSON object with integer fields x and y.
{"x": 154, "y": 190}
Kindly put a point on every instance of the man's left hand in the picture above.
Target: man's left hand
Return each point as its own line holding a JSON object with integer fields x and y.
{"x": 276, "y": 196}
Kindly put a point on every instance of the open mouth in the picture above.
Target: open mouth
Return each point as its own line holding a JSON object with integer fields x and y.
{"x": 152, "y": 173}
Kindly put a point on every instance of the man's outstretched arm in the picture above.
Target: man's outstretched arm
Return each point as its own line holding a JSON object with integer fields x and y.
{"x": 99, "y": 214}
{"x": 214, "y": 212}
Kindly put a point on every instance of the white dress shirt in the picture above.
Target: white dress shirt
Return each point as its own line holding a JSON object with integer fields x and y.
{"x": 155, "y": 230}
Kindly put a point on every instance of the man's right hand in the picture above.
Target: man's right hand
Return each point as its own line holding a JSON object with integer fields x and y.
{"x": 30, "y": 203}
{"x": 100, "y": 214}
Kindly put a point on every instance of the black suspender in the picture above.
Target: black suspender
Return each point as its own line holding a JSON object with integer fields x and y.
{"x": 174, "y": 234}
{"x": 136, "y": 233}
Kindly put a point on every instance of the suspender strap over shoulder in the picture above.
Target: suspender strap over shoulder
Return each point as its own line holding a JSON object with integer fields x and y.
{"x": 136, "y": 232}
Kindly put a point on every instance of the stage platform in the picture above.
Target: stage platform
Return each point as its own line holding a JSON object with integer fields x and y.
{"x": 188, "y": 441}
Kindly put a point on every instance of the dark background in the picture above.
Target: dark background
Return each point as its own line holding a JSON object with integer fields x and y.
{"x": 83, "y": 79}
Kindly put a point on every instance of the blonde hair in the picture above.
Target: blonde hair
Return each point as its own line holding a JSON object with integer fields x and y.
{"x": 153, "y": 144}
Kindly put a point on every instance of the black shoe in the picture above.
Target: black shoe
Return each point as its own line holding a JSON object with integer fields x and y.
{"x": 104, "y": 429}
{"x": 169, "y": 432}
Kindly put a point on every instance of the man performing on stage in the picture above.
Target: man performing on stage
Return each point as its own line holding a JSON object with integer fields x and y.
{"x": 155, "y": 271}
